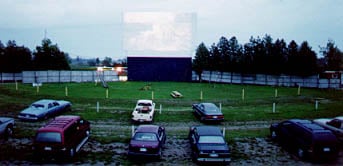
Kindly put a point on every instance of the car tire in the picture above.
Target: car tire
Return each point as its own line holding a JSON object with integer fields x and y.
{"x": 160, "y": 154}
{"x": 273, "y": 135}
{"x": 71, "y": 152}
{"x": 194, "y": 157}
{"x": 8, "y": 132}
{"x": 300, "y": 153}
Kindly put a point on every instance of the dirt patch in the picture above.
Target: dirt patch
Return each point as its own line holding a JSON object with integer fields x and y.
{"x": 246, "y": 151}
{"x": 177, "y": 151}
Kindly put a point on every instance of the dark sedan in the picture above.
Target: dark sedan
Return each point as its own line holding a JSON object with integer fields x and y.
{"x": 147, "y": 141}
{"x": 207, "y": 112}
{"x": 208, "y": 145}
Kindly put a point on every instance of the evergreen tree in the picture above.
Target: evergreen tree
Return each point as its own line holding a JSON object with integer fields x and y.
{"x": 200, "y": 62}
{"x": 333, "y": 57}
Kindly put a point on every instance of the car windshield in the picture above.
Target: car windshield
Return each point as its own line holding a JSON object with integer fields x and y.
{"x": 145, "y": 137}
{"x": 37, "y": 106}
{"x": 211, "y": 139}
{"x": 54, "y": 137}
{"x": 211, "y": 108}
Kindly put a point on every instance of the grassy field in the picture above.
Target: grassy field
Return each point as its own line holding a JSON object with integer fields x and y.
{"x": 117, "y": 103}
{"x": 121, "y": 97}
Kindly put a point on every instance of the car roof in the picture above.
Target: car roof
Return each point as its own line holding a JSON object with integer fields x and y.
{"x": 148, "y": 128}
{"x": 144, "y": 101}
{"x": 58, "y": 124}
{"x": 339, "y": 118}
{"x": 208, "y": 130}
{"x": 309, "y": 125}
{"x": 208, "y": 104}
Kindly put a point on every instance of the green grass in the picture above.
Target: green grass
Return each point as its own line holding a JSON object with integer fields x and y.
{"x": 122, "y": 96}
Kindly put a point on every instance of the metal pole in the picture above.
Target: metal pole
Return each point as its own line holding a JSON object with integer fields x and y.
{"x": 132, "y": 130}
{"x": 160, "y": 108}
{"x": 243, "y": 94}
{"x": 97, "y": 106}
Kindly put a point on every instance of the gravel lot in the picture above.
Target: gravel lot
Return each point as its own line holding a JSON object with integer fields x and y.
{"x": 245, "y": 151}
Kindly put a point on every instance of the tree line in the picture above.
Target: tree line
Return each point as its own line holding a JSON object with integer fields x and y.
{"x": 48, "y": 56}
{"x": 264, "y": 56}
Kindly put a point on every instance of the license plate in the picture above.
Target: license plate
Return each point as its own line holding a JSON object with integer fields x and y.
{"x": 213, "y": 155}
{"x": 326, "y": 149}
{"x": 142, "y": 149}
{"x": 215, "y": 117}
{"x": 47, "y": 148}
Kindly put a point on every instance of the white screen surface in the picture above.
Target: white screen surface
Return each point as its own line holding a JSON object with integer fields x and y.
{"x": 150, "y": 34}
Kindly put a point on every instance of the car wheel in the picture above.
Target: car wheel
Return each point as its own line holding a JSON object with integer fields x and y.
{"x": 273, "y": 135}
{"x": 301, "y": 153}
{"x": 8, "y": 132}
{"x": 160, "y": 154}
{"x": 72, "y": 152}
{"x": 194, "y": 157}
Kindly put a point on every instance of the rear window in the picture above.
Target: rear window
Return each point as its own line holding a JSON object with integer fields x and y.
{"x": 53, "y": 137}
{"x": 211, "y": 139}
{"x": 144, "y": 104}
{"x": 324, "y": 138}
{"x": 211, "y": 108}
{"x": 145, "y": 137}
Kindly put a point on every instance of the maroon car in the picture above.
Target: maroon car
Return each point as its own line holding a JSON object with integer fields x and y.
{"x": 147, "y": 141}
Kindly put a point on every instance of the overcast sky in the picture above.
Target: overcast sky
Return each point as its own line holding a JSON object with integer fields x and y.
{"x": 90, "y": 29}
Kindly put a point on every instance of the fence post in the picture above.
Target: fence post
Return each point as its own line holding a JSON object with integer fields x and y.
{"x": 97, "y": 106}
{"x": 275, "y": 92}
{"x": 243, "y": 94}
{"x": 106, "y": 93}
{"x": 160, "y": 108}
{"x": 200, "y": 95}
{"x": 152, "y": 95}
{"x": 16, "y": 85}
{"x": 316, "y": 105}
{"x": 132, "y": 130}
{"x": 298, "y": 90}
{"x": 224, "y": 132}
{"x": 274, "y": 107}
{"x": 66, "y": 91}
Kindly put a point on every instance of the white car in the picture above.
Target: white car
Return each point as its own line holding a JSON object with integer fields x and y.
{"x": 144, "y": 111}
{"x": 333, "y": 124}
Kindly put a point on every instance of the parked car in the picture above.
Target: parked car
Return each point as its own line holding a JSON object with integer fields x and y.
{"x": 208, "y": 145}
{"x": 143, "y": 111}
{"x": 208, "y": 112}
{"x": 43, "y": 109}
{"x": 305, "y": 138}
{"x": 147, "y": 141}
{"x": 6, "y": 127}
{"x": 333, "y": 124}
{"x": 63, "y": 136}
